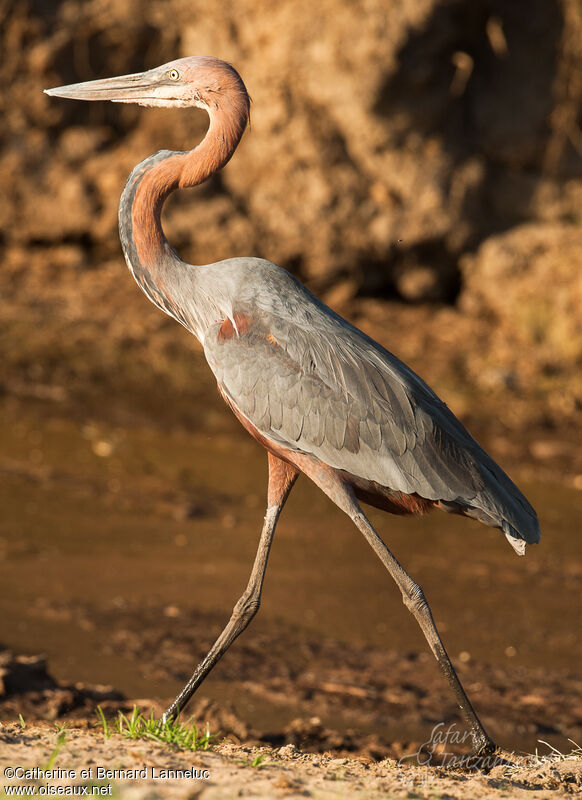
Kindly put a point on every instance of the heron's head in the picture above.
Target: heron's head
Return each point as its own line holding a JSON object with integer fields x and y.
{"x": 195, "y": 81}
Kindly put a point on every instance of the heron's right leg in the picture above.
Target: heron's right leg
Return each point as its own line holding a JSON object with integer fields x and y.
{"x": 343, "y": 496}
{"x": 282, "y": 476}
{"x": 416, "y": 602}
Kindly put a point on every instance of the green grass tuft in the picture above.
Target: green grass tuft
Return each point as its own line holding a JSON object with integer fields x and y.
{"x": 61, "y": 738}
{"x": 62, "y": 726}
{"x": 260, "y": 761}
{"x": 171, "y": 732}
{"x": 103, "y": 722}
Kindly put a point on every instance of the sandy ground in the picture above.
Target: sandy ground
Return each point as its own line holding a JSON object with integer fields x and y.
{"x": 227, "y": 771}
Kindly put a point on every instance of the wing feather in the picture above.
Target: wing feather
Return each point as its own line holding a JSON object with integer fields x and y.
{"x": 333, "y": 397}
{"x": 320, "y": 386}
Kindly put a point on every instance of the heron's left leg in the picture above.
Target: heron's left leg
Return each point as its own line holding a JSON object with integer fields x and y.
{"x": 243, "y": 612}
{"x": 282, "y": 476}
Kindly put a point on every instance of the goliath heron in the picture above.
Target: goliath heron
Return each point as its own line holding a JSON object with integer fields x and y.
{"x": 321, "y": 396}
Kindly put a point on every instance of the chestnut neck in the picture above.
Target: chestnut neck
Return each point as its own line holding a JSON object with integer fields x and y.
{"x": 148, "y": 253}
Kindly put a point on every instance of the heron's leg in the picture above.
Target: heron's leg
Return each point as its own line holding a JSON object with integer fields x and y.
{"x": 343, "y": 496}
{"x": 414, "y": 599}
{"x": 282, "y": 476}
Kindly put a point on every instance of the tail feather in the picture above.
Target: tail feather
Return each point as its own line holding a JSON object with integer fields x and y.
{"x": 514, "y": 538}
{"x": 508, "y": 509}
{"x": 500, "y": 505}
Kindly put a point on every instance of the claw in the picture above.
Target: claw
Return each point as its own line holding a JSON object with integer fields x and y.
{"x": 483, "y": 757}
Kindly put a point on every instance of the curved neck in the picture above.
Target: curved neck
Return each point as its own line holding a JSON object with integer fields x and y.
{"x": 147, "y": 251}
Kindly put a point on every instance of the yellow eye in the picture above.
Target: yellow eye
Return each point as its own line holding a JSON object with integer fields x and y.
{"x": 174, "y": 75}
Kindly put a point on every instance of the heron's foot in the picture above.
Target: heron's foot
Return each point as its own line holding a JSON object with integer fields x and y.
{"x": 171, "y": 714}
{"x": 486, "y": 747}
{"x": 484, "y": 756}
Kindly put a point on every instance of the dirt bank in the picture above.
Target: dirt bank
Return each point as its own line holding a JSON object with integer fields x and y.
{"x": 428, "y": 157}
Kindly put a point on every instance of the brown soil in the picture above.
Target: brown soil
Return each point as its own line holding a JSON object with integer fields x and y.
{"x": 282, "y": 763}
{"x": 316, "y": 693}
{"x": 227, "y": 771}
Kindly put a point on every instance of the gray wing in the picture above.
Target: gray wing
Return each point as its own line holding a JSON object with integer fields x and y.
{"x": 326, "y": 389}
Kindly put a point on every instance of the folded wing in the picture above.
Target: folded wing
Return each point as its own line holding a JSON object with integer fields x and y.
{"x": 328, "y": 390}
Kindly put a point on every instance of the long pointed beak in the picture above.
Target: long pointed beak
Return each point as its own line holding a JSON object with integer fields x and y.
{"x": 123, "y": 89}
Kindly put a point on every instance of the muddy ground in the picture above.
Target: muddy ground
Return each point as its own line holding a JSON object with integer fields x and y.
{"x": 125, "y": 547}
{"x": 305, "y": 681}
{"x": 284, "y": 686}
